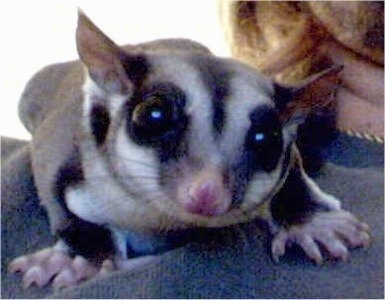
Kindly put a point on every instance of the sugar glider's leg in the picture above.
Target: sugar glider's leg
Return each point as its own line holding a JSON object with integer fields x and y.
{"x": 303, "y": 214}
{"x": 67, "y": 266}
{"x": 57, "y": 265}
{"x": 53, "y": 263}
{"x": 79, "y": 255}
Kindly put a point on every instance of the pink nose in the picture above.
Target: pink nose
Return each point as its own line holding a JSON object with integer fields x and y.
{"x": 207, "y": 197}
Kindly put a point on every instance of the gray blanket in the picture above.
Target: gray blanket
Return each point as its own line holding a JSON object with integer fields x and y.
{"x": 233, "y": 262}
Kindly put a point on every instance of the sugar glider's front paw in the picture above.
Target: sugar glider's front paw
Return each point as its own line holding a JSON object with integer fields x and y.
{"x": 334, "y": 231}
{"x": 56, "y": 265}
{"x": 41, "y": 267}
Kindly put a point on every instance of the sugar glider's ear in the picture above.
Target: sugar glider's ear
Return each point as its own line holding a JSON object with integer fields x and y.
{"x": 313, "y": 94}
{"x": 107, "y": 64}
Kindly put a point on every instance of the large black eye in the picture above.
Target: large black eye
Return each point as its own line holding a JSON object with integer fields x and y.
{"x": 264, "y": 137}
{"x": 154, "y": 116}
{"x": 266, "y": 146}
{"x": 264, "y": 140}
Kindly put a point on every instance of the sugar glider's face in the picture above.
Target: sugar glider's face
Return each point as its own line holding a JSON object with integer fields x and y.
{"x": 200, "y": 138}
{"x": 188, "y": 135}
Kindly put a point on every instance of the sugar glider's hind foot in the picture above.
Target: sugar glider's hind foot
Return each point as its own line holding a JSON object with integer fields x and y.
{"x": 333, "y": 231}
{"x": 53, "y": 264}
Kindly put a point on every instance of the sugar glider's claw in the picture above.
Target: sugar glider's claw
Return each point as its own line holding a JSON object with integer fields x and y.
{"x": 41, "y": 267}
{"x": 333, "y": 231}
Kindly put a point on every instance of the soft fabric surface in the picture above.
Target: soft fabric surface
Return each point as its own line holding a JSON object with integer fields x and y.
{"x": 235, "y": 263}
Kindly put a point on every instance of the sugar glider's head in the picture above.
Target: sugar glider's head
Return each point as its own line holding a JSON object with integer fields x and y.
{"x": 200, "y": 139}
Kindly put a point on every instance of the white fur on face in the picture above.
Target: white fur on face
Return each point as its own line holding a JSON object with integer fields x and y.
{"x": 198, "y": 107}
{"x": 93, "y": 94}
{"x": 244, "y": 99}
{"x": 102, "y": 199}
{"x": 128, "y": 194}
{"x": 137, "y": 165}
{"x": 260, "y": 187}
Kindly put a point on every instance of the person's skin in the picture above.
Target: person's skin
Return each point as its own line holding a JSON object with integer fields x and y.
{"x": 360, "y": 98}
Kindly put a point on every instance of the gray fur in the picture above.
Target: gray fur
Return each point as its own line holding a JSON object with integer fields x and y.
{"x": 52, "y": 113}
{"x": 116, "y": 196}
{"x": 120, "y": 188}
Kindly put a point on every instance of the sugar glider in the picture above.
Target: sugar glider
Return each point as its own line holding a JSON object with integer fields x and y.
{"x": 164, "y": 137}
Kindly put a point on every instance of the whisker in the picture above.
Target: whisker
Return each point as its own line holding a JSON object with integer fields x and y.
{"x": 136, "y": 161}
{"x": 147, "y": 196}
{"x": 101, "y": 177}
{"x": 146, "y": 177}
{"x": 128, "y": 159}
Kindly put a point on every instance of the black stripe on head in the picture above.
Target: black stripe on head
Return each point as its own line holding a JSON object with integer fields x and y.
{"x": 262, "y": 149}
{"x": 84, "y": 238}
{"x": 264, "y": 140}
{"x": 113, "y": 78}
{"x": 282, "y": 96}
{"x": 100, "y": 122}
{"x": 156, "y": 118}
{"x": 137, "y": 68}
{"x": 216, "y": 80}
